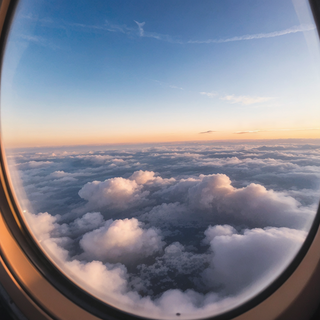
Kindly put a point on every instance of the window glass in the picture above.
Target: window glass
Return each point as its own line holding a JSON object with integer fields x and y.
{"x": 165, "y": 154}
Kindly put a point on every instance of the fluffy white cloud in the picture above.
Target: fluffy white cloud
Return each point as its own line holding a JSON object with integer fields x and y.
{"x": 37, "y": 164}
{"x": 121, "y": 241}
{"x": 215, "y": 196}
{"x": 218, "y": 230}
{"x": 251, "y": 258}
{"x": 253, "y": 203}
{"x": 41, "y": 224}
{"x": 142, "y": 177}
{"x": 236, "y": 262}
{"x": 117, "y": 193}
{"x": 148, "y": 177}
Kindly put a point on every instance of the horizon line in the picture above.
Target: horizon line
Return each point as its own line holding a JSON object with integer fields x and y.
{"x": 163, "y": 142}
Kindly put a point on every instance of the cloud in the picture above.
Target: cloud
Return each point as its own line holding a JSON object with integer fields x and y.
{"x": 171, "y": 39}
{"x": 118, "y": 193}
{"x": 124, "y": 29}
{"x": 170, "y": 215}
{"x": 205, "y": 132}
{"x": 214, "y": 197}
{"x": 142, "y": 177}
{"x": 39, "y": 41}
{"x": 254, "y": 203}
{"x": 175, "y": 87}
{"x": 245, "y": 100}
{"x": 178, "y": 266}
{"x": 218, "y": 230}
{"x": 294, "y": 29}
{"x": 275, "y": 130}
{"x": 209, "y": 94}
{"x": 41, "y": 224}
{"x": 248, "y": 131}
{"x": 88, "y": 222}
{"x": 121, "y": 241}
{"x": 121, "y": 193}
{"x": 198, "y": 228}
{"x": 140, "y": 26}
{"x": 168, "y": 85}
{"x": 148, "y": 177}
{"x": 96, "y": 158}
{"x": 37, "y": 164}
{"x": 256, "y": 254}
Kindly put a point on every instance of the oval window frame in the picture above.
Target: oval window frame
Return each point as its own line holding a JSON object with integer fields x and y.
{"x": 39, "y": 290}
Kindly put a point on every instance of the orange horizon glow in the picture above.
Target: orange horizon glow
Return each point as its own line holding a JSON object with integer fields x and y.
{"x": 250, "y": 135}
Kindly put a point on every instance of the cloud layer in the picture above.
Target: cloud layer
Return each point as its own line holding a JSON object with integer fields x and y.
{"x": 192, "y": 229}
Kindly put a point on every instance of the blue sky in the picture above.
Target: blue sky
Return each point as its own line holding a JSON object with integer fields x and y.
{"x": 82, "y": 72}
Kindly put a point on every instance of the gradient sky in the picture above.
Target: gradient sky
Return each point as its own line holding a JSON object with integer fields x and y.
{"x": 99, "y": 72}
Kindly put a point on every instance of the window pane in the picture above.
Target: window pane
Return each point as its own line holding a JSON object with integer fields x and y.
{"x": 165, "y": 154}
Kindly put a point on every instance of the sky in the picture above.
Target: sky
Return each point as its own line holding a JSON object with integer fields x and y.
{"x": 110, "y": 72}
{"x": 188, "y": 228}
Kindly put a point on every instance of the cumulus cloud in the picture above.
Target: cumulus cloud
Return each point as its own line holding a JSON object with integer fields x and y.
{"x": 121, "y": 193}
{"x": 37, "y": 164}
{"x": 116, "y": 193}
{"x": 256, "y": 253}
{"x": 41, "y": 224}
{"x": 88, "y": 222}
{"x": 218, "y": 230}
{"x": 142, "y": 177}
{"x": 253, "y": 203}
{"x": 121, "y": 240}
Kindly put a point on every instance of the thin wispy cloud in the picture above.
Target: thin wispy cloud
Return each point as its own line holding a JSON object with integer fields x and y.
{"x": 245, "y": 100}
{"x": 140, "y": 26}
{"x": 294, "y": 29}
{"x": 163, "y": 37}
{"x": 141, "y": 32}
{"x": 164, "y": 84}
{"x": 275, "y": 130}
{"x": 207, "y": 132}
{"x": 245, "y": 132}
{"x": 307, "y": 129}
{"x": 38, "y": 40}
{"x": 175, "y": 87}
{"x": 209, "y": 94}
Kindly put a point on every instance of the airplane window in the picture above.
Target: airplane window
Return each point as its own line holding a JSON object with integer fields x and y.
{"x": 165, "y": 154}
